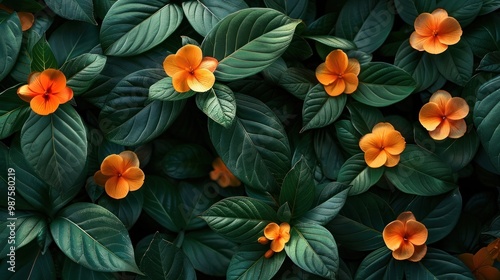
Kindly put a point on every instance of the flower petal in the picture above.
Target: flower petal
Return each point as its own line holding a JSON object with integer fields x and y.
{"x": 353, "y": 66}
{"x": 209, "y": 63}
{"x": 393, "y": 142}
{"x": 416, "y": 232}
{"x": 381, "y": 128}
{"x": 100, "y": 179}
{"x": 112, "y": 165}
{"x": 170, "y": 66}
{"x": 483, "y": 258}
{"x": 406, "y": 216}
{"x": 336, "y": 88}
{"x": 440, "y": 97}
{"x": 130, "y": 159}
{"x": 393, "y": 234}
{"x": 337, "y": 61}
{"x": 285, "y": 231}
{"x": 25, "y": 93}
{"x": 277, "y": 245}
{"x": 370, "y": 141}
{"x": 449, "y": 31}
{"x": 179, "y": 81}
{"x": 442, "y": 131}
{"x": 456, "y": 108}
{"x": 44, "y": 105}
{"x": 52, "y": 80}
{"x": 405, "y": 251}
{"x": 417, "y": 41}
{"x": 467, "y": 259}
{"x": 189, "y": 57}
{"x": 419, "y": 253}
{"x": 272, "y": 231}
{"x": 487, "y": 273}
{"x": 392, "y": 160}
{"x": 457, "y": 128}
{"x": 434, "y": 46}
{"x": 325, "y": 76}
{"x": 439, "y": 15}
{"x": 117, "y": 187}
{"x": 27, "y": 20}
{"x": 201, "y": 81}
{"x": 135, "y": 178}
{"x": 64, "y": 95}
{"x": 425, "y": 24}
{"x": 351, "y": 82}
{"x": 375, "y": 158}
{"x": 430, "y": 116}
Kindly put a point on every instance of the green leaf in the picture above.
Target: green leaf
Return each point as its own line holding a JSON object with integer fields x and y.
{"x": 209, "y": 252}
{"x": 163, "y": 260}
{"x": 73, "y": 9}
{"x": 42, "y": 57}
{"x": 196, "y": 199}
{"x": 320, "y": 109}
{"x": 364, "y": 117}
{"x": 328, "y": 153}
{"x": 465, "y": 11}
{"x": 72, "y": 39}
{"x": 13, "y": 112}
{"x": 28, "y": 260}
{"x": 333, "y": 42}
{"x": 329, "y": 199}
{"x": 382, "y": 84}
{"x": 420, "y": 172}
{"x": 420, "y": 65}
{"x": 218, "y": 104}
{"x": 490, "y": 62}
{"x": 20, "y": 229}
{"x": 127, "y": 209}
{"x": 456, "y": 63}
{"x": 312, "y": 248}
{"x": 162, "y": 201}
{"x": 489, "y": 6}
{"x": 360, "y": 223}
{"x": 240, "y": 219}
{"x": 438, "y": 264}
{"x": 484, "y": 34}
{"x": 56, "y": 146}
{"x": 298, "y": 189}
{"x": 298, "y": 81}
{"x": 292, "y": 8}
{"x": 366, "y": 23}
{"x": 255, "y": 147}
{"x": 93, "y": 237}
{"x": 348, "y": 136}
{"x": 82, "y": 71}
{"x": 187, "y": 161}
{"x": 12, "y": 35}
{"x": 163, "y": 90}
{"x": 410, "y": 9}
{"x": 249, "y": 263}
{"x": 73, "y": 270}
{"x": 132, "y": 27}
{"x": 203, "y": 15}
{"x": 380, "y": 264}
{"x": 243, "y": 34}
{"x": 486, "y": 119}
{"x": 358, "y": 175}
{"x": 128, "y": 118}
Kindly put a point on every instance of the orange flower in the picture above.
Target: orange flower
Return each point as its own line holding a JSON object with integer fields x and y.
{"x": 383, "y": 146}
{"x": 338, "y": 74}
{"x": 279, "y": 236}
{"x": 190, "y": 70}
{"x": 120, "y": 174}
{"x": 444, "y": 116}
{"x": 27, "y": 19}
{"x": 481, "y": 264}
{"x": 406, "y": 238}
{"x": 435, "y": 32}
{"x": 494, "y": 249}
{"x": 45, "y": 91}
{"x": 222, "y": 175}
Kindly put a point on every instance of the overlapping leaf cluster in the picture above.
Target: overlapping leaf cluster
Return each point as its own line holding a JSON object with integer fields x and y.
{"x": 294, "y": 148}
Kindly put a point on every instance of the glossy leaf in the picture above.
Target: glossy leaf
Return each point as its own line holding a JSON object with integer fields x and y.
{"x": 82, "y": 71}
{"x": 203, "y": 15}
{"x": 465, "y": 11}
{"x": 358, "y": 175}
{"x": 27, "y": 260}
{"x": 127, "y": 209}
{"x": 348, "y": 136}
{"x": 56, "y": 146}
{"x": 312, "y": 248}
{"x": 333, "y": 42}
{"x": 19, "y": 229}
{"x": 99, "y": 233}
{"x": 364, "y": 117}
{"x": 243, "y": 55}
{"x": 320, "y": 109}
{"x": 382, "y": 84}
{"x": 298, "y": 81}
{"x": 249, "y": 263}
{"x": 328, "y": 153}
{"x": 13, "y": 112}
{"x": 456, "y": 63}
{"x": 490, "y": 62}
{"x": 483, "y": 35}
{"x": 132, "y": 27}
{"x": 196, "y": 199}
{"x": 376, "y": 266}
{"x": 75, "y": 271}
{"x": 409, "y": 10}
{"x": 298, "y": 189}
{"x": 329, "y": 199}
{"x": 218, "y": 104}
{"x": 187, "y": 161}
{"x": 438, "y": 264}
{"x": 73, "y": 9}
{"x": 240, "y": 219}
{"x": 10, "y": 28}
{"x": 420, "y": 172}
{"x": 163, "y": 90}
{"x": 42, "y": 57}
{"x": 255, "y": 147}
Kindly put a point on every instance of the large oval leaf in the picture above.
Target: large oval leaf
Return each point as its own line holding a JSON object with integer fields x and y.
{"x": 456, "y": 63}
{"x": 320, "y": 109}
{"x": 358, "y": 175}
{"x": 13, "y": 112}
{"x": 94, "y": 237}
{"x": 12, "y": 35}
{"x": 128, "y": 118}
{"x": 132, "y": 27}
{"x": 75, "y": 271}
{"x": 82, "y": 71}
{"x": 126, "y": 209}
{"x": 249, "y": 263}
{"x": 379, "y": 264}
{"x": 73, "y": 9}
{"x": 364, "y": 117}
{"x": 298, "y": 189}
{"x": 255, "y": 147}
{"x": 438, "y": 264}
{"x": 218, "y": 104}
{"x": 382, "y": 84}
{"x": 42, "y": 57}
{"x": 56, "y": 146}
{"x": 243, "y": 34}
{"x": 329, "y": 199}
{"x": 25, "y": 225}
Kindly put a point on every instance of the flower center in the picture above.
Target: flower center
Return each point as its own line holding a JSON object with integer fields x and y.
{"x": 435, "y": 33}
{"x": 119, "y": 175}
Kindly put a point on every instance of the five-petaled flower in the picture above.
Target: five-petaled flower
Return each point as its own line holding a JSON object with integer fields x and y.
{"x": 45, "y": 91}
{"x": 481, "y": 263}
{"x": 190, "y": 70}
{"x": 435, "y": 32}
{"x": 120, "y": 174}
{"x": 222, "y": 175}
{"x": 406, "y": 237}
{"x": 383, "y": 146}
{"x": 338, "y": 74}
{"x": 444, "y": 116}
{"x": 279, "y": 236}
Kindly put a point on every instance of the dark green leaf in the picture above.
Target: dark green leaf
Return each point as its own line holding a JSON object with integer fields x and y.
{"x": 489, "y": 6}
{"x": 358, "y": 175}
{"x": 456, "y": 63}
{"x": 243, "y": 34}
{"x": 465, "y": 11}
{"x": 490, "y": 62}
{"x": 12, "y": 35}
{"x": 218, "y": 104}
{"x": 126, "y": 209}
{"x": 240, "y": 219}
{"x": 249, "y": 263}
{"x": 75, "y": 271}
{"x": 298, "y": 189}
{"x": 196, "y": 199}
{"x": 42, "y": 57}
{"x": 348, "y": 136}
{"x": 364, "y": 117}
{"x": 56, "y": 146}
{"x": 380, "y": 264}
{"x": 13, "y": 112}
{"x": 93, "y": 237}
{"x": 298, "y": 81}
{"x": 410, "y": 9}
{"x": 320, "y": 109}
{"x": 484, "y": 34}
{"x": 187, "y": 161}
{"x": 132, "y": 27}
{"x": 333, "y": 42}
{"x": 19, "y": 229}
{"x": 82, "y": 71}
{"x": 312, "y": 248}
{"x": 438, "y": 264}
{"x": 73, "y": 9}
{"x": 329, "y": 199}
{"x": 163, "y": 90}
{"x": 328, "y": 153}
{"x": 29, "y": 259}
